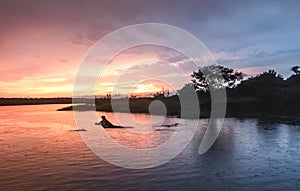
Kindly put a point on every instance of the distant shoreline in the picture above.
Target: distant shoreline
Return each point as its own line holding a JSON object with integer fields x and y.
{"x": 34, "y": 101}
{"x": 238, "y": 109}
{"x": 38, "y": 101}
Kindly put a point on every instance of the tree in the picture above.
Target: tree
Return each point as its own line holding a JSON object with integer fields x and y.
{"x": 186, "y": 88}
{"x": 270, "y": 76}
{"x": 217, "y": 76}
{"x": 296, "y": 69}
{"x": 162, "y": 94}
{"x": 266, "y": 88}
{"x": 269, "y": 81}
{"x": 294, "y": 80}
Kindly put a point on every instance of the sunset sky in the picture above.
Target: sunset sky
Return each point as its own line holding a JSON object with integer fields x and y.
{"x": 42, "y": 42}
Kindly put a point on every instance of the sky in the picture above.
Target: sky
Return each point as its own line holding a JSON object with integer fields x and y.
{"x": 42, "y": 42}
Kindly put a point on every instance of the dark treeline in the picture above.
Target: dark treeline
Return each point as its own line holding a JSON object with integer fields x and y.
{"x": 266, "y": 95}
{"x": 36, "y": 101}
{"x": 269, "y": 93}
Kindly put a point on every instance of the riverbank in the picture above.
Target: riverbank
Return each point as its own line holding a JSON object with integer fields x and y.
{"x": 38, "y": 101}
{"x": 34, "y": 101}
{"x": 246, "y": 108}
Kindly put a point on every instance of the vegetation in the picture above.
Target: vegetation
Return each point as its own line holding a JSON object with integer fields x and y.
{"x": 136, "y": 105}
{"x": 270, "y": 93}
{"x": 34, "y": 101}
{"x": 266, "y": 95}
{"x": 217, "y": 76}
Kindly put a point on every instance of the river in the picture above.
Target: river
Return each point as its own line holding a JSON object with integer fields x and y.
{"x": 40, "y": 151}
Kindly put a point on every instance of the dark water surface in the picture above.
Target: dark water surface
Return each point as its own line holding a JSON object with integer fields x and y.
{"x": 39, "y": 152}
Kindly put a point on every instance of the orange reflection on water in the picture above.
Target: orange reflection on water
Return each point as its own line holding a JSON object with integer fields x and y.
{"x": 138, "y": 141}
{"x": 140, "y": 135}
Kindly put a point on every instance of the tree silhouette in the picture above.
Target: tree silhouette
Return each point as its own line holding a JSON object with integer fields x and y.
{"x": 266, "y": 81}
{"x": 294, "y": 80}
{"x": 217, "y": 76}
{"x": 269, "y": 77}
{"x": 296, "y": 69}
{"x": 186, "y": 88}
{"x": 162, "y": 94}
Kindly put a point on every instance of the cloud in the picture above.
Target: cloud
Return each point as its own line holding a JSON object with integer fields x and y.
{"x": 13, "y": 74}
{"x": 155, "y": 70}
{"x": 1, "y": 41}
{"x": 258, "y": 57}
{"x": 38, "y": 85}
{"x": 77, "y": 38}
{"x": 240, "y": 34}
{"x": 62, "y": 60}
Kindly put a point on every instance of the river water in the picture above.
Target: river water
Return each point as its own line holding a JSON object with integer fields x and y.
{"x": 40, "y": 151}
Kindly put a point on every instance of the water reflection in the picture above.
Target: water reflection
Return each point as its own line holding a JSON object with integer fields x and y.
{"x": 38, "y": 152}
{"x": 143, "y": 135}
{"x": 266, "y": 124}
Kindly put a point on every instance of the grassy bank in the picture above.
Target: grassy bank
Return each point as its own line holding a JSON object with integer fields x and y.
{"x": 137, "y": 105}
{"x": 34, "y": 101}
{"x": 244, "y": 108}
